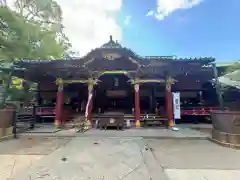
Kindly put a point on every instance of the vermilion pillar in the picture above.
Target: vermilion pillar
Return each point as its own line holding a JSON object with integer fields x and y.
{"x": 137, "y": 105}
{"x": 169, "y": 103}
{"x": 59, "y": 106}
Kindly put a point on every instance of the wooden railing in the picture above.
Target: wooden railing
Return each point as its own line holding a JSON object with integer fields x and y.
{"x": 200, "y": 111}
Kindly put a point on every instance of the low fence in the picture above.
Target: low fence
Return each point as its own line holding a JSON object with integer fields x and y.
{"x": 200, "y": 111}
{"x": 43, "y": 112}
{"x": 25, "y": 118}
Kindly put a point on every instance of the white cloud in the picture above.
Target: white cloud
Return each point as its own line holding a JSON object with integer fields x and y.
{"x": 166, "y": 7}
{"x": 89, "y": 23}
{"x": 127, "y": 20}
{"x": 150, "y": 13}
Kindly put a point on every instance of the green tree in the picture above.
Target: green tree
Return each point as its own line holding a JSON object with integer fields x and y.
{"x": 46, "y": 13}
{"x": 30, "y": 36}
{"x": 24, "y": 40}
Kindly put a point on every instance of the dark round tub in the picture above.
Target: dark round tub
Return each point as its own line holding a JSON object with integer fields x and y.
{"x": 226, "y": 128}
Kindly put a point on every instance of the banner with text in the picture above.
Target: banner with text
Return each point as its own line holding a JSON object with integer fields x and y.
{"x": 176, "y": 105}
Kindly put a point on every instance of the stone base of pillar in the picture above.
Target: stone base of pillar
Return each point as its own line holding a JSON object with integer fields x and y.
{"x": 57, "y": 124}
{"x": 138, "y": 125}
{"x": 171, "y": 123}
{"x": 88, "y": 124}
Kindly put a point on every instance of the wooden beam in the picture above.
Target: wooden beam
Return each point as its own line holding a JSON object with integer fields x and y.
{"x": 113, "y": 72}
{"x": 73, "y": 81}
{"x": 142, "y": 81}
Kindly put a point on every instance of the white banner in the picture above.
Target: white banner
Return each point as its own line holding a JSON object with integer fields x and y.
{"x": 176, "y": 105}
{"x": 88, "y": 104}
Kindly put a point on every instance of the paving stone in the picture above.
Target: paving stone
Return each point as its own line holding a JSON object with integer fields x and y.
{"x": 84, "y": 159}
{"x": 221, "y": 174}
{"x": 100, "y": 172}
{"x": 11, "y": 164}
{"x": 194, "y": 154}
{"x": 200, "y": 174}
{"x": 135, "y": 175}
{"x": 147, "y": 133}
{"x": 120, "y": 170}
{"x": 143, "y": 171}
{"x": 133, "y": 162}
{"x": 185, "y": 175}
{"x": 153, "y": 167}
{"x": 115, "y": 158}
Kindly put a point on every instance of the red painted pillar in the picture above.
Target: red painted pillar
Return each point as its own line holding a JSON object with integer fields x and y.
{"x": 169, "y": 103}
{"x": 137, "y": 105}
{"x": 59, "y": 106}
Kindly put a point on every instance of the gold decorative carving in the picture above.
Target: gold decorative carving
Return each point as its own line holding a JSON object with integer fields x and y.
{"x": 113, "y": 72}
{"x": 59, "y": 81}
{"x": 111, "y": 56}
{"x": 142, "y": 81}
{"x": 83, "y": 81}
{"x": 90, "y": 87}
{"x": 136, "y": 87}
{"x": 169, "y": 83}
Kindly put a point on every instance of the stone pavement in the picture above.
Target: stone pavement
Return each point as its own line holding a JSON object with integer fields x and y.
{"x": 100, "y": 157}
{"x": 202, "y": 174}
{"x": 17, "y": 155}
{"x": 29, "y": 145}
{"x": 184, "y": 132}
{"x": 147, "y": 133}
{"x": 12, "y": 164}
{"x": 196, "y": 159}
{"x": 194, "y": 154}
{"x": 97, "y": 159}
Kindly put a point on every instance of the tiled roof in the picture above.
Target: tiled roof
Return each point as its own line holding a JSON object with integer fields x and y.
{"x": 231, "y": 79}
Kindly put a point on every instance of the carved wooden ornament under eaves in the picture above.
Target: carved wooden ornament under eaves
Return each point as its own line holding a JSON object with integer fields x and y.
{"x": 111, "y": 56}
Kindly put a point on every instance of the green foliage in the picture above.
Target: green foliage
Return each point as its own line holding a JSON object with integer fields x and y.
{"x": 33, "y": 30}
{"x": 45, "y": 13}
{"x": 24, "y": 40}
{"x": 40, "y": 10}
{"x": 21, "y": 90}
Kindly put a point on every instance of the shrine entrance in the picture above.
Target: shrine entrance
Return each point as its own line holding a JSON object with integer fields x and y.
{"x": 114, "y": 93}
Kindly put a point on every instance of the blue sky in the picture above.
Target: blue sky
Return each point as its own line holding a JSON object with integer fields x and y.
{"x": 210, "y": 28}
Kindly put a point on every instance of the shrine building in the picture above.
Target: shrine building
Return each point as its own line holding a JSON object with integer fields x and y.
{"x": 114, "y": 78}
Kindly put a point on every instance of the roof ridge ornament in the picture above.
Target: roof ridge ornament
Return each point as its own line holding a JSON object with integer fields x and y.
{"x": 111, "y": 44}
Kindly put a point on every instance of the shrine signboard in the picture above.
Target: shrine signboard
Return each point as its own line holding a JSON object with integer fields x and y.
{"x": 176, "y": 105}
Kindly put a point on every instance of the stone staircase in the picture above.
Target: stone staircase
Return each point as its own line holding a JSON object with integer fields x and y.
{"x": 146, "y": 119}
{"x": 129, "y": 120}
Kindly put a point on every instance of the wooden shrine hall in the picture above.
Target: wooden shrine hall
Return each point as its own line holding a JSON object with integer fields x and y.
{"x": 114, "y": 78}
